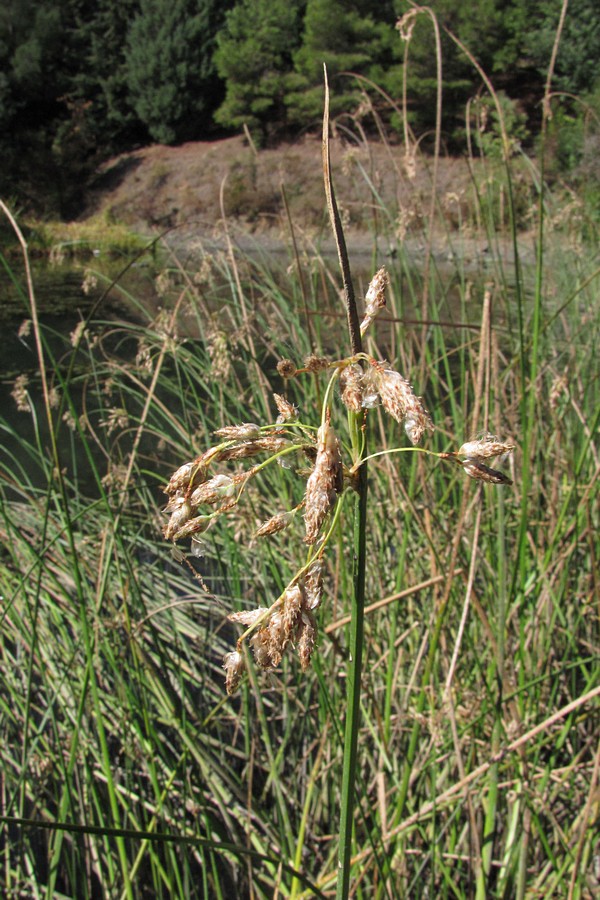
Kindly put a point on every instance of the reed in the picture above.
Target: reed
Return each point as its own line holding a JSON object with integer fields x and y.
{"x": 127, "y": 768}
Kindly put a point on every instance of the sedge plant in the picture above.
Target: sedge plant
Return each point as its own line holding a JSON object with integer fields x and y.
{"x": 329, "y": 467}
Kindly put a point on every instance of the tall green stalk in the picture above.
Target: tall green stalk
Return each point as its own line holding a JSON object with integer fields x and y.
{"x": 359, "y": 448}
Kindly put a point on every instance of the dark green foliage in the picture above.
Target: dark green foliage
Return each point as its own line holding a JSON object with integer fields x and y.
{"x": 254, "y": 56}
{"x": 348, "y": 36}
{"x": 36, "y": 64}
{"x": 102, "y": 84}
{"x": 494, "y": 32}
{"x": 576, "y": 68}
{"x": 81, "y": 81}
{"x": 170, "y": 70}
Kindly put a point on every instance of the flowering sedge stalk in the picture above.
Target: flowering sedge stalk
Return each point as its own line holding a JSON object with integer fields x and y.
{"x": 289, "y": 621}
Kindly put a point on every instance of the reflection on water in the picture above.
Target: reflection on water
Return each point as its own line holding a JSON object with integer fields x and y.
{"x": 139, "y": 291}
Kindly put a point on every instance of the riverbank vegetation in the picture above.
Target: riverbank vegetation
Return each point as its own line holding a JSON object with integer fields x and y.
{"x": 81, "y": 83}
{"x": 127, "y": 769}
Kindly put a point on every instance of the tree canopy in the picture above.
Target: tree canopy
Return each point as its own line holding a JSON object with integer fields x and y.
{"x": 80, "y": 81}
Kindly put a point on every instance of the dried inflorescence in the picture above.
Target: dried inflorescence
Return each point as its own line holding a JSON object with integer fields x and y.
{"x": 200, "y": 490}
{"x": 190, "y": 487}
{"x": 476, "y": 469}
{"x": 401, "y": 402}
{"x": 382, "y": 384}
{"x": 324, "y": 483}
{"x": 203, "y": 489}
{"x": 375, "y": 298}
{"x": 352, "y": 384}
{"x": 276, "y": 523}
{"x": 287, "y": 411}
{"x": 315, "y": 363}
{"x": 286, "y": 368}
{"x": 288, "y": 622}
{"x": 486, "y": 447}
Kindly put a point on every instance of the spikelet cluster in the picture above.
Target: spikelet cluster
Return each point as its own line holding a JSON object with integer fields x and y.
{"x": 202, "y": 489}
{"x": 209, "y": 486}
{"x": 193, "y": 486}
{"x": 324, "y": 483}
{"x": 375, "y": 298}
{"x": 290, "y": 621}
{"x": 478, "y": 452}
{"x": 382, "y": 384}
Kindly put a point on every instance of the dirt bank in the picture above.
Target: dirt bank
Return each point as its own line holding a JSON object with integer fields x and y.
{"x": 197, "y": 183}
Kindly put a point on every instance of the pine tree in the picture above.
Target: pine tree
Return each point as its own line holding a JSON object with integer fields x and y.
{"x": 170, "y": 71}
{"x": 255, "y": 56}
{"x": 347, "y": 36}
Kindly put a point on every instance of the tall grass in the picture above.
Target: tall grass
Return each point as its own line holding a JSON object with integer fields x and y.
{"x": 126, "y": 770}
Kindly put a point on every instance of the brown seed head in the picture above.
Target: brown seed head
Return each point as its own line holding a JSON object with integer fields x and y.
{"x": 234, "y": 666}
{"x": 220, "y": 487}
{"x": 191, "y": 526}
{"x": 486, "y": 447}
{"x": 306, "y": 639}
{"x": 291, "y": 610}
{"x": 276, "y": 638}
{"x": 286, "y": 368}
{"x": 395, "y": 393}
{"x": 268, "y": 444}
{"x": 180, "y": 479}
{"x": 315, "y": 363}
{"x": 375, "y": 298}
{"x": 476, "y": 469}
{"x": 313, "y": 585}
{"x": 324, "y": 482}
{"x": 287, "y": 411}
{"x": 246, "y": 432}
{"x": 181, "y": 511}
{"x": 261, "y": 643}
{"x": 276, "y": 523}
{"x": 247, "y": 616}
{"x": 351, "y": 381}
{"x": 417, "y": 422}
{"x": 401, "y": 402}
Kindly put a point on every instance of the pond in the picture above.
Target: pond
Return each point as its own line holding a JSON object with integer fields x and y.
{"x": 137, "y": 289}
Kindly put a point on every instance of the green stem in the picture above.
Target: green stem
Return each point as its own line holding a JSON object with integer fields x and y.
{"x": 355, "y": 648}
{"x": 359, "y": 446}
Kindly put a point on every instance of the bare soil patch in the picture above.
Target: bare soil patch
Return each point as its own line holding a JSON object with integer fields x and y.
{"x": 195, "y": 185}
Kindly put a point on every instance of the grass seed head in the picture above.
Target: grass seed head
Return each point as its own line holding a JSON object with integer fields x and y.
{"x": 306, "y": 639}
{"x": 192, "y": 526}
{"x": 276, "y": 523}
{"x": 351, "y": 381}
{"x": 324, "y": 482}
{"x": 313, "y": 585}
{"x": 291, "y": 611}
{"x": 270, "y": 444}
{"x": 246, "y": 432}
{"x": 260, "y": 643}
{"x": 180, "y": 479}
{"x": 287, "y": 411}
{"x": 375, "y": 298}
{"x": 486, "y": 447}
{"x": 315, "y": 363}
{"x": 247, "y": 616}
{"x": 416, "y": 423}
{"x": 181, "y": 512}
{"x": 476, "y": 469}
{"x": 286, "y": 368}
{"x": 276, "y": 639}
{"x": 401, "y": 402}
{"x": 234, "y": 666}
{"x": 219, "y": 487}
